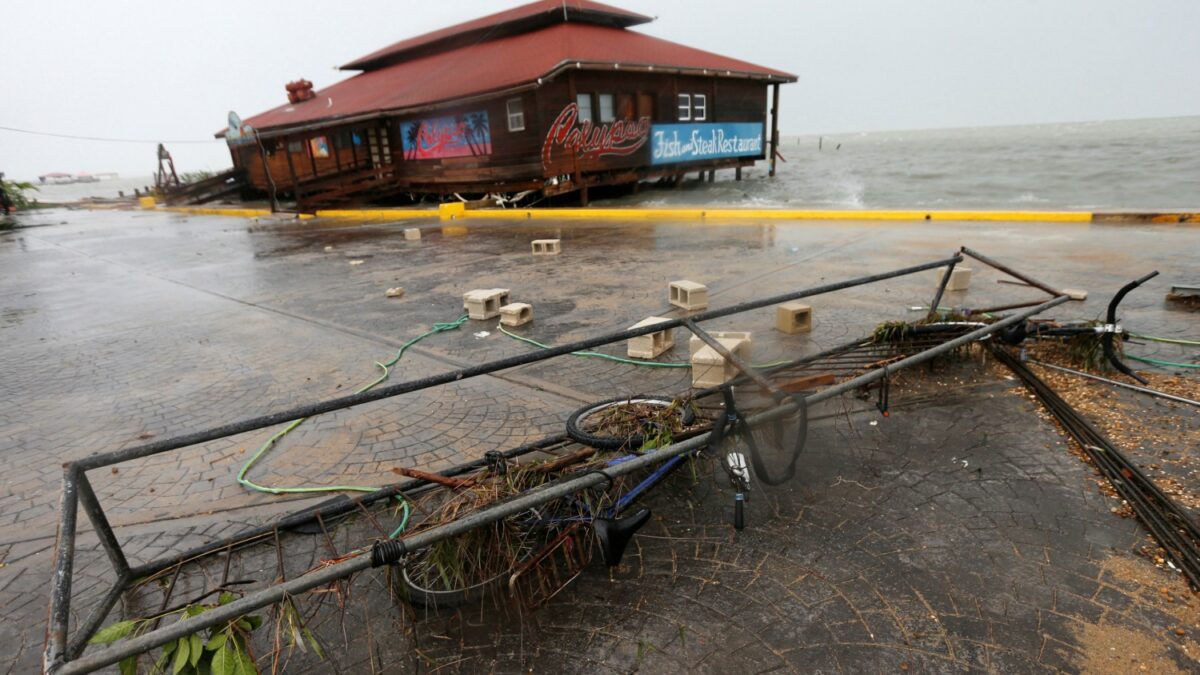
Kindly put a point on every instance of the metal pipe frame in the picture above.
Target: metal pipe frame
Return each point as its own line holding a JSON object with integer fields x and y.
{"x": 391, "y": 551}
{"x": 61, "y": 652}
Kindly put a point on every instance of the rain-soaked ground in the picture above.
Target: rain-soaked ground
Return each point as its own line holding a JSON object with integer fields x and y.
{"x": 957, "y": 534}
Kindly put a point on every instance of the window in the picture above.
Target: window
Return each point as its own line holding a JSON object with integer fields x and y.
{"x": 606, "y": 108}
{"x": 584, "y": 101}
{"x": 685, "y": 107}
{"x": 295, "y": 146}
{"x": 699, "y": 107}
{"x": 516, "y": 114}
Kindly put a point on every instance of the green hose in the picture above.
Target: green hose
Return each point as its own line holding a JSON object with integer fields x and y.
{"x": 249, "y": 484}
{"x": 1174, "y": 341}
{"x": 1159, "y": 362}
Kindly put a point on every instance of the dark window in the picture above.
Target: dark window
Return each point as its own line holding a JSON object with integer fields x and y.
{"x": 295, "y": 146}
{"x": 685, "y": 107}
{"x": 699, "y": 107}
{"x": 515, "y": 109}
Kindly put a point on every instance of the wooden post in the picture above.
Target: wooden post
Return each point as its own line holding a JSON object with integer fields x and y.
{"x": 774, "y": 125}
{"x": 287, "y": 148}
{"x": 738, "y": 174}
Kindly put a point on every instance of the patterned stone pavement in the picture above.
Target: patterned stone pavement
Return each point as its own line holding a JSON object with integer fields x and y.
{"x": 886, "y": 553}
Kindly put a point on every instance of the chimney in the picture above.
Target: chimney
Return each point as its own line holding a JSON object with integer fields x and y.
{"x": 300, "y": 90}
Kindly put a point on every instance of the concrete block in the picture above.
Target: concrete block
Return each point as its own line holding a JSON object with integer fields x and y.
{"x": 1075, "y": 294}
{"x": 710, "y": 369}
{"x": 485, "y": 303}
{"x": 695, "y": 344}
{"x": 396, "y": 292}
{"x": 412, "y": 233}
{"x": 547, "y": 246}
{"x": 793, "y": 317}
{"x": 651, "y": 345}
{"x": 960, "y": 278}
{"x": 516, "y": 314}
{"x": 688, "y": 295}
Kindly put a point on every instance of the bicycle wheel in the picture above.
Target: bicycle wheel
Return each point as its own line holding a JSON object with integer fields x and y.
{"x": 466, "y": 569}
{"x": 596, "y": 425}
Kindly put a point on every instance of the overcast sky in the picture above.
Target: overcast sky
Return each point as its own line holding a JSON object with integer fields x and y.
{"x": 171, "y": 70}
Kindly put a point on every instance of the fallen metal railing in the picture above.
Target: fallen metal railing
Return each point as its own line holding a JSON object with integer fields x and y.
{"x": 64, "y": 652}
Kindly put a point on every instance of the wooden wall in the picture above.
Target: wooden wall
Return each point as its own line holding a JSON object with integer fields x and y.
{"x": 515, "y": 156}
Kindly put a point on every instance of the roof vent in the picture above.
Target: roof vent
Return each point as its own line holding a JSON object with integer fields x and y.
{"x": 300, "y": 90}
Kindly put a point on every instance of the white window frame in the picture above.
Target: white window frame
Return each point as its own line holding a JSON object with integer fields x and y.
{"x": 699, "y": 107}
{"x": 516, "y": 119}
{"x": 683, "y": 107}
{"x": 587, "y": 116}
{"x": 610, "y": 114}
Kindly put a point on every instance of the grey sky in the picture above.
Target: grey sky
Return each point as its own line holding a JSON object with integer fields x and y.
{"x": 171, "y": 70}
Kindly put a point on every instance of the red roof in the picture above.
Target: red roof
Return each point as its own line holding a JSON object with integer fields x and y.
{"x": 518, "y": 19}
{"x": 497, "y": 65}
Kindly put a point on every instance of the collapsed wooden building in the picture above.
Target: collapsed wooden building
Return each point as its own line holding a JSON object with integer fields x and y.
{"x": 548, "y": 98}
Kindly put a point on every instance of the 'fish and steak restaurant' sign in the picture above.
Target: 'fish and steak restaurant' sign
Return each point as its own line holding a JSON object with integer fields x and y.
{"x": 670, "y": 143}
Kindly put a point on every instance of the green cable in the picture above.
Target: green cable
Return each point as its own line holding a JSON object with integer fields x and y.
{"x": 1174, "y": 341}
{"x": 1159, "y": 362}
{"x": 247, "y": 483}
{"x": 621, "y": 359}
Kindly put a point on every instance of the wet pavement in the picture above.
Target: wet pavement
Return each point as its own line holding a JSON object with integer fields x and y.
{"x": 958, "y": 535}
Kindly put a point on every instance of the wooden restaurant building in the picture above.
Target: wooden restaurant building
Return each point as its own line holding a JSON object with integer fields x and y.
{"x": 547, "y": 98}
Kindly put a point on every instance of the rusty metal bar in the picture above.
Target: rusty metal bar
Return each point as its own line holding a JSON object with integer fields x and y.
{"x": 1010, "y": 271}
{"x": 60, "y": 590}
{"x": 91, "y": 506}
{"x": 937, "y": 297}
{"x": 390, "y": 551}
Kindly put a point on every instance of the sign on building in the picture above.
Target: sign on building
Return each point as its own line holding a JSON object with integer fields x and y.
{"x": 687, "y": 142}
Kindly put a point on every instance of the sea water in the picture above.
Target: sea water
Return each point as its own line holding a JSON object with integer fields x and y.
{"x": 1149, "y": 164}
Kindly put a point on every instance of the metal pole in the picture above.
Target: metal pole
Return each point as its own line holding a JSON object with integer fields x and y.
{"x": 60, "y": 590}
{"x": 91, "y": 506}
{"x": 394, "y": 550}
{"x": 330, "y": 405}
{"x": 1010, "y": 271}
{"x": 937, "y": 297}
{"x": 774, "y": 126}
{"x": 1115, "y": 383}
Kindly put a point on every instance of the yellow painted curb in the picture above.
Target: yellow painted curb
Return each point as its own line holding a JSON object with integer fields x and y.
{"x": 377, "y": 214}
{"x": 200, "y": 211}
{"x": 458, "y": 211}
{"x": 775, "y": 214}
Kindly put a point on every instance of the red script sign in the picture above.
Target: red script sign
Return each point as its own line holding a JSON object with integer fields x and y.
{"x": 588, "y": 141}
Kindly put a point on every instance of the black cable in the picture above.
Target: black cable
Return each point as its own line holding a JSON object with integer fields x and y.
{"x": 100, "y": 138}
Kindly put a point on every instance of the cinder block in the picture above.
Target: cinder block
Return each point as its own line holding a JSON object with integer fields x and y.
{"x": 651, "y": 345}
{"x": 793, "y": 317}
{"x": 695, "y": 344}
{"x": 1075, "y": 294}
{"x": 960, "y": 278}
{"x": 412, "y": 233}
{"x": 547, "y": 246}
{"x": 516, "y": 314}
{"x": 688, "y": 295}
{"x": 710, "y": 369}
{"x": 485, "y": 303}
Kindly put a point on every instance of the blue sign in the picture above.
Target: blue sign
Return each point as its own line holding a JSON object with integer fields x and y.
{"x": 686, "y": 142}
